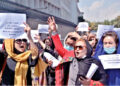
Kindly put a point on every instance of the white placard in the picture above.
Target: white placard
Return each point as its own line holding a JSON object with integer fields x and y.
{"x": 83, "y": 26}
{"x": 102, "y": 29}
{"x": 0, "y": 46}
{"x": 43, "y": 28}
{"x": 33, "y": 33}
{"x": 92, "y": 70}
{"x": 52, "y": 58}
{"x": 11, "y": 25}
{"x": 117, "y": 30}
{"x": 22, "y": 36}
{"x": 110, "y": 61}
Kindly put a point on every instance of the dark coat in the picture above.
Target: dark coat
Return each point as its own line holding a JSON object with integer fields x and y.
{"x": 81, "y": 67}
{"x": 9, "y": 71}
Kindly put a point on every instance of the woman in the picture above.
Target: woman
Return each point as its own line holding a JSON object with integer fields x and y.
{"x": 62, "y": 71}
{"x": 81, "y": 64}
{"x": 69, "y": 41}
{"x": 92, "y": 41}
{"x": 20, "y": 61}
{"x": 109, "y": 44}
{"x": 49, "y": 75}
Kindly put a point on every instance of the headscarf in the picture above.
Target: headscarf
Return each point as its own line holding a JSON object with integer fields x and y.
{"x": 22, "y": 65}
{"x": 113, "y": 74}
{"x": 65, "y": 45}
{"x": 100, "y": 49}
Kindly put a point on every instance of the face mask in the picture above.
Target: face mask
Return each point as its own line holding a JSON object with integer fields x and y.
{"x": 68, "y": 47}
{"x": 110, "y": 50}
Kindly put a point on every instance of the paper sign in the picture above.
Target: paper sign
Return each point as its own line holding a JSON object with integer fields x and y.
{"x": 42, "y": 28}
{"x": 33, "y": 32}
{"x": 0, "y": 46}
{"x": 11, "y": 25}
{"x": 102, "y": 29}
{"x": 43, "y": 36}
{"x": 110, "y": 61}
{"x": 83, "y": 26}
{"x": 92, "y": 70}
{"x": 22, "y": 36}
{"x": 52, "y": 58}
{"x": 117, "y": 30}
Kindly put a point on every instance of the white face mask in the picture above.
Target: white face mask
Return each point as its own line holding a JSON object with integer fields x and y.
{"x": 110, "y": 50}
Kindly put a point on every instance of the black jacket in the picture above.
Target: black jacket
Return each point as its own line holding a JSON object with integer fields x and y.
{"x": 80, "y": 67}
{"x": 9, "y": 71}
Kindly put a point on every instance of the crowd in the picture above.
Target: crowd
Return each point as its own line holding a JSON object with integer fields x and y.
{"x": 26, "y": 64}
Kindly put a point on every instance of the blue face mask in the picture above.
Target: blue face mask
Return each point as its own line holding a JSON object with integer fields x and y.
{"x": 110, "y": 50}
{"x": 68, "y": 47}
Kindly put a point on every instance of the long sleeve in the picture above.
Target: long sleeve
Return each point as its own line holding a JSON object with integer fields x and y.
{"x": 58, "y": 45}
{"x": 99, "y": 78}
{"x": 64, "y": 53}
{"x": 95, "y": 83}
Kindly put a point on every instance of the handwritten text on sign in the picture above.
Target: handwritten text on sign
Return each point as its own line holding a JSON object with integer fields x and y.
{"x": 11, "y": 25}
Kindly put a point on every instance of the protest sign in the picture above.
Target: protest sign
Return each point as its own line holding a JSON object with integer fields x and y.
{"x": 110, "y": 61}
{"x": 33, "y": 33}
{"x": 83, "y": 26}
{"x": 0, "y": 46}
{"x": 43, "y": 28}
{"x": 117, "y": 30}
{"x": 11, "y": 25}
{"x": 102, "y": 29}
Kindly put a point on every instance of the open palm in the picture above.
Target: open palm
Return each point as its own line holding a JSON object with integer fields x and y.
{"x": 52, "y": 24}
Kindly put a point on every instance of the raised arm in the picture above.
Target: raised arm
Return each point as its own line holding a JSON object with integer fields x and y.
{"x": 40, "y": 41}
{"x": 33, "y": 47}
{"x": 55, "y": 37}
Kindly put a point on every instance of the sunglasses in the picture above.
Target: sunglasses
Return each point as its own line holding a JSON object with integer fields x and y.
{"x": 20, "y": 41}
{"x": 79, "y": 47}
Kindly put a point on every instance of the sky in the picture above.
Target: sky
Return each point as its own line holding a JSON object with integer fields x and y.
{"x": 99, "y": 10}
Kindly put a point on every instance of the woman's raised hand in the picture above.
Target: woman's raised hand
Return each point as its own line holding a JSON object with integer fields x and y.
{"x": 52, "y": 24}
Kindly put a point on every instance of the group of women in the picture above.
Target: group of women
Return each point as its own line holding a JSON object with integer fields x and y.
{"x": 17, "y": 61}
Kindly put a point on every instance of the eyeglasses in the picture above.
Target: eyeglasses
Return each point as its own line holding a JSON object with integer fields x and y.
{"x": 20, "y": 41}
{"x": 80, "y": 47}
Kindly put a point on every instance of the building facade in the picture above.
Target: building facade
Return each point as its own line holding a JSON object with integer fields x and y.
{"x": 65, "y": 12}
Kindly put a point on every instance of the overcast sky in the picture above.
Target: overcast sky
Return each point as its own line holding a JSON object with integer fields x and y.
{"x": 99, "y": 10}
